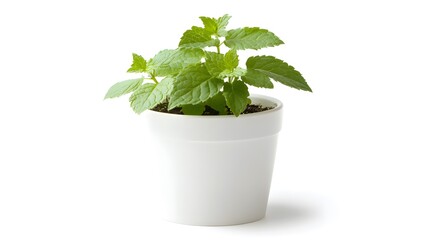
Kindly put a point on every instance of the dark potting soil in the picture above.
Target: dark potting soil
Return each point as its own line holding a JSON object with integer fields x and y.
{"x": 251, "y": 108}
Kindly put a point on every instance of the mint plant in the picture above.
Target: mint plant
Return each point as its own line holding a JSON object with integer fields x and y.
{"x": 197, "y": 74}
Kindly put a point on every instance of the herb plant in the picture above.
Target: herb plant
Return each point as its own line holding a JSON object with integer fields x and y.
{"x": 197, "y": 74}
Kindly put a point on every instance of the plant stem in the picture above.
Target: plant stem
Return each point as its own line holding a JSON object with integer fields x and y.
{"x": 152, "y": 76}
{"x": 218, "y": 46}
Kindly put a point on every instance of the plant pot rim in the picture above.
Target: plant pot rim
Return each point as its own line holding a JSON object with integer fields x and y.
{"x": 277, "y": 106}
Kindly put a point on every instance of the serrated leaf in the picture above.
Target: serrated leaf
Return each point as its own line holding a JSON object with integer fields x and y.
{"x": 237, "y": 72}
{"x": 231, "y": 59}
{"x": 216, "y": 26}
{"x": 236, "y": 95}
{"x": 149, "y": 95}
{"x": 218, "y": 103}
{"x": 222, "y": 22}
{"x": 139, "y": 99}
{"x": 123, "y": 87}
{"x": 197, "y": 37}
{"x": 197, "y": 109}
{"x": 215, "y": 63}
{"x": 194, "y": 85}
{"x": 138, "y": 65}
{"x": 251, "y": 38}
{"x": 222, "y": 32}
{"x": 165, "y": 86}
{"x": 279, "y": 71}
{"x": 171, "y": 62}
{"x": 210, "y": 24}
{"x": 257, "y": 79}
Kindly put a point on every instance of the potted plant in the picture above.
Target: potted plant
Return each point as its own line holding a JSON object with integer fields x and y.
{"x": 217, "y": 141}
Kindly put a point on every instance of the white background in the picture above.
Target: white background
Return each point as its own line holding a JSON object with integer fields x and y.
{"x": 352, "y": 157}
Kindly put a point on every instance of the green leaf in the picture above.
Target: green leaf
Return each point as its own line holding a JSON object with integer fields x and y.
{"x": 215, "y": 63}
{"x": 218, "y": 103}
{"x": 149, "y": 95}
{"x": 251, "y": 38}
{"x": 171, "y": 62}
{"x": 236, "y": 95}
{"x": 143, "y": 98}
{"x": 216, "y": 26}
{"x": 123, "y": 87}
{"x": 197, "y": 109}
{"x": 237, "y": 72}
{"x": 210, "y": 24}
{"x": 197, "y": 37}
{"x": 139, "y": 64}
{"x": 222, "y": 22}
{"x": 165, "y": 87}
{"x": 257, "y": 79}
{"x": 194, "y": 85}
{"x": 278, "y": 70}
{"x": 231, "y": 59}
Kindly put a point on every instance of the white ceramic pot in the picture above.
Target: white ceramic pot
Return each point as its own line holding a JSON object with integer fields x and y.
{"x": 216, "y": 170}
